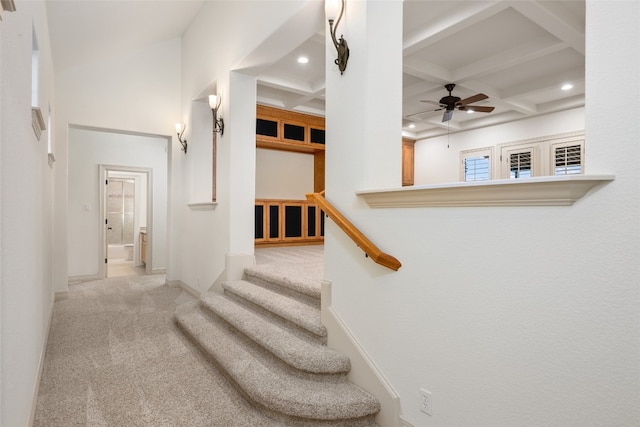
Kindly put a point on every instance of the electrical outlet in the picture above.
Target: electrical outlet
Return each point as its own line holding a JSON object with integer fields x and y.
{"x": 426, "y": 403}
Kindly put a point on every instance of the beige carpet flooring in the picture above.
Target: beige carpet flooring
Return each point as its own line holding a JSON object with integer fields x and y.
{"x": 116, "y": 358}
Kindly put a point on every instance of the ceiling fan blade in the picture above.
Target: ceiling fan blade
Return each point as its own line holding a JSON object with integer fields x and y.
{"x": 422, "y": 112}
{"x": 478, "y": 108}
{"x": 472, "y": 99}
{"x": 448, "y": 114}
{"x": 430, "y": 102}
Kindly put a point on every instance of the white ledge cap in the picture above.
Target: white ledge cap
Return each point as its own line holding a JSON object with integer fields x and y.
{"x": 561, "y": 190}
{"x": 202, "y": 206}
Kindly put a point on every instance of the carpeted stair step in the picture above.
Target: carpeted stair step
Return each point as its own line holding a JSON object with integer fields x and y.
{"x": 305, "y": 289}
{"x": 290, "y": 348}
{"x": 296, "y": 312}
{"x": 272, "y": 387}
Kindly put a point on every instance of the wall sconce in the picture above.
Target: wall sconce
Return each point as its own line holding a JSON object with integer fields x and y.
{"x": 218, "y": 123}
{"x": 331, "y": 10}
{"x": 180, "y": 127}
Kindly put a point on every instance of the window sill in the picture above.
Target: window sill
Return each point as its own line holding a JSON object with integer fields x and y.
{"x": 202, "y": 206}
{"x": 541, "y": 191}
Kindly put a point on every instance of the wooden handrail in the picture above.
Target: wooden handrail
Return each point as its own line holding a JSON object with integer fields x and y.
{"x": 356, "y": 235}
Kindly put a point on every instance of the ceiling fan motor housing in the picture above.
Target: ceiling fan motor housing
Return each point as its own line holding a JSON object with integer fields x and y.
{"x": 449, "y": 101}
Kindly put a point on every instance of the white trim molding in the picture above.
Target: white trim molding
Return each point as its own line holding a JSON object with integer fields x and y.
{"x": 364, "y": 372}
{"x": 188, "y": 289}
{"x": 202, "y": 206}
{"x": 43, "y": 352}
{"x": 37, "y": 121}
{"x": 561, "y": 190}
{"x": 7, "y": 6}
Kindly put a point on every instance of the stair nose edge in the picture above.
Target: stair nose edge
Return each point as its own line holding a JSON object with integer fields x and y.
{"x": 305, "y": 356}
{"x": 290, "y": 309}
{"x": 283, "y": 394}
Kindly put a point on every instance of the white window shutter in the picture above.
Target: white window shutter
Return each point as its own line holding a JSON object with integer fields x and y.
{"x": 520, "y": 165}
{"x": 568, "y": 160}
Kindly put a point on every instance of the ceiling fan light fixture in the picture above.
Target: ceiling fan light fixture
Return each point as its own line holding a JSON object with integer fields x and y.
{"x": 450, "y": 103}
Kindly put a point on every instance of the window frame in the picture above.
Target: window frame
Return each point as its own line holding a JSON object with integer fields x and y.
{"x": 505, "y": 159}
{"x": 542, "y": 153}
{"x": 566, "y": 142}
{"x": 476, "y": 152}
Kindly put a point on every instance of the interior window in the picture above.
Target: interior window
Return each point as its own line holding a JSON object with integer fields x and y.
{"x": 567, "y": 159}
{"x": 520, "y": 165}
{"x": 476, "y": 164}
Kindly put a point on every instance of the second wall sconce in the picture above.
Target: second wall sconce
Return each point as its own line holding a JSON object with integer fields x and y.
{"x": 218, "y": 123}
{"x": 331, "y": 10}
{"x": 180, "y": 127}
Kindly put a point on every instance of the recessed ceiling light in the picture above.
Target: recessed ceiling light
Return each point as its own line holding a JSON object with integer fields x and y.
{"x": 303, "y": 59}
{"x": 470, "y": 111}
{"x": 412, "y": 125}
{"x": 567, "y": 86}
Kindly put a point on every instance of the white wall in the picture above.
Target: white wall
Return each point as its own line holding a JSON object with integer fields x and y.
{"x": 26, "y": 206}
{"x": 119, "y": 93}
{"x": 210, "y": 238}
{"x": 283, "y": 175}
{"x": 520, "y": 316}
{"x": 87, "y": 150}
{"x": 437, "y": 160}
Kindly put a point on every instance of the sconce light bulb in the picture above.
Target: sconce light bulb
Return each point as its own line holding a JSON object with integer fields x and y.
{"x": 213, "y": 101}
{"x": 178, "y": 127}
{"x": 332, "y": 9}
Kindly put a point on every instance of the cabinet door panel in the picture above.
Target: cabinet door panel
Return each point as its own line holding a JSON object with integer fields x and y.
{"x": 265, "y": 127}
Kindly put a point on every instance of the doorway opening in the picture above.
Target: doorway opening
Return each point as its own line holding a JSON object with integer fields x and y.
{"x": 126, "y": 210}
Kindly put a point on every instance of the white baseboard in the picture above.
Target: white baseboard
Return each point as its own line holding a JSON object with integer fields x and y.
{"x": 180, "y": 284}
{"x": 159, "y": 271}
{"x": 82, "y": 278}
{"x": 364, "y": 372}
{"x": 404, "y": 422}
{"x": 36, "y": 389}
{"x": 172, "y": 283}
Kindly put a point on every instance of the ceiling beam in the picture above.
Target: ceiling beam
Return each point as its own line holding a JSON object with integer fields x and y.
{"x": 427, "y": 71}
{"x": 294, "y": 102}
{"x": 463, "y": 18}
{"x": 551, "y": 18}
{"x": 530, "y": 51}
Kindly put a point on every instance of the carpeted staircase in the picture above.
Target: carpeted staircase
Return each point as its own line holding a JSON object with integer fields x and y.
{"x": 265, "y": 333}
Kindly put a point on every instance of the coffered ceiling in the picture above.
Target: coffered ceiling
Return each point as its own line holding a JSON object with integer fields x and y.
{"x": 518, "y": 53}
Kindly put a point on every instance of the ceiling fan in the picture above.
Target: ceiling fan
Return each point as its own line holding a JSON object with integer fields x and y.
{"x": 450, "y": 103}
